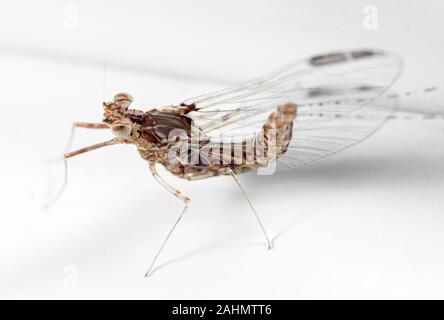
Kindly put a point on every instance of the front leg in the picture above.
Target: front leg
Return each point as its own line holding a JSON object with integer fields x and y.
{"x": 68, "y": 154}
{"x": 86, "y": 125}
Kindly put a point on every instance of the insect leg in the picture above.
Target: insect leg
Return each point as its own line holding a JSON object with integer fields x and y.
{"x": 177, "y": 194}
{"x": 251, "y": 206}
{"x": 75, "y": 125}
{"x": 169, "y": 188}
{"x": 70, "y": 155}
{"x": 90, "y": 148}
{"x": 165, "y": 241}
{"x": 85, "y": 125}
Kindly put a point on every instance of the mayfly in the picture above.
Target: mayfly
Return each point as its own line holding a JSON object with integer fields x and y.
{"x": 300, "y": 113}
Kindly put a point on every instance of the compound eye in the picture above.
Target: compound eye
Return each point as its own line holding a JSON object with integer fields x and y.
{"x": 121, "y": 130}
{"x": 123, "y": 100}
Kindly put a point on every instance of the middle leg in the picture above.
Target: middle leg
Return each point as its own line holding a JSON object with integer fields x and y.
{"x": 178, "y": 195}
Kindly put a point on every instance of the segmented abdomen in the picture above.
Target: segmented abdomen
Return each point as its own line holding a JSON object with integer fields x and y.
{"x": 205, "y": 159}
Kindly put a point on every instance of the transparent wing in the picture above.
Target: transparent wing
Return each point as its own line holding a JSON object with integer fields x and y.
{"x": 336, "y": 95}
{"x": 317, "y": 138}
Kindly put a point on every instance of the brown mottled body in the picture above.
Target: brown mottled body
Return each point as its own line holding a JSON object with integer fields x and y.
{"x": 150, "y": 132}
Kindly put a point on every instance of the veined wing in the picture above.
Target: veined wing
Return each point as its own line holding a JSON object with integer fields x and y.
{"x": 336, "y": 94}
{"x": 326, "y": 137}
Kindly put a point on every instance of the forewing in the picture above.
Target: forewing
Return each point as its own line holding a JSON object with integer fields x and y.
{"x": 336, "y": 95}
{"x": 315, "y": 138}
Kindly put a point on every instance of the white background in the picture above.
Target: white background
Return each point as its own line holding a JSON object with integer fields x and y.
{"x": 366, "y": 223}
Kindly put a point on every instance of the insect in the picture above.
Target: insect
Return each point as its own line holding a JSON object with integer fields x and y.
{"x": 300, "y": 113}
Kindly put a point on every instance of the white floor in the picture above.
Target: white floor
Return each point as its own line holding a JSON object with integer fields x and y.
{"x": 366, "y": 223}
